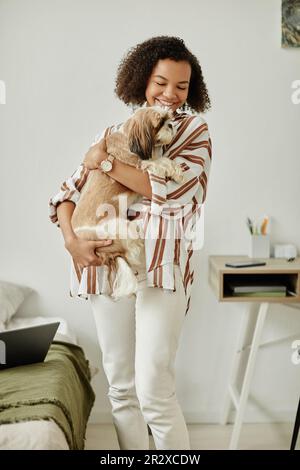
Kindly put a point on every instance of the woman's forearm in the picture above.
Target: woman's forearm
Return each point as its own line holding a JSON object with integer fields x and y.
{"x": 132, "y": 178}
{"x": 64, "y": 214}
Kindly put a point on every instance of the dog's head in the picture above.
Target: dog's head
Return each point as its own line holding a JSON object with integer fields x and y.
{"x": 147, "y": 128}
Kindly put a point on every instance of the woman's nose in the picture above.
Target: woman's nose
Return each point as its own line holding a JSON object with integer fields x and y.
{"x": 169, "y": 93}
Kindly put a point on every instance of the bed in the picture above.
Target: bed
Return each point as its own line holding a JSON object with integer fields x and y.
{"x": 46, "y": 405}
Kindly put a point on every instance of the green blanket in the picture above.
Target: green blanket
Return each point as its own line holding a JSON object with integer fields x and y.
{"x": 58, "y": 389}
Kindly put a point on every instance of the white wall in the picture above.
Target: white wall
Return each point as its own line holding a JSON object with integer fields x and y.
{"x": 58, "y": 61}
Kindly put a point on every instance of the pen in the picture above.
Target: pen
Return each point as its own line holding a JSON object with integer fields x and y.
{"x": 250, "y": 225}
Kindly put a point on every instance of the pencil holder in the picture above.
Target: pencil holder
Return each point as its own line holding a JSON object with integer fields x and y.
{"x": 259, "y": 246}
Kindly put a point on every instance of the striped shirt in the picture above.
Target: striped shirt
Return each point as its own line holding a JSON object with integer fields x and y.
{"x": 170, "y": 220}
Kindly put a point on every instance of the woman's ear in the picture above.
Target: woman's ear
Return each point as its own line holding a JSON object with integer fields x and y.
{"x": 141, "y": 137}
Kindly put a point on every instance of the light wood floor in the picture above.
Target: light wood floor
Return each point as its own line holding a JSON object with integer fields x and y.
{"x": 275, "y": 436}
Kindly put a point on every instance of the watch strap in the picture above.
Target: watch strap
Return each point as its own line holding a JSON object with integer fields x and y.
{"x": 110, "y": 158}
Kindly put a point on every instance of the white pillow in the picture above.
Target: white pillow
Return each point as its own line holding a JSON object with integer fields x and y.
{"x": 11, "y": 297}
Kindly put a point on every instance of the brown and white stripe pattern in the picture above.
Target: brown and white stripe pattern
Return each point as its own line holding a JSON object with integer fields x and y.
{"x": 172, "y": 207}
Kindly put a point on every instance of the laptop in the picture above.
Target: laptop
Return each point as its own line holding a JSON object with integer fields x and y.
{"x": 26, "y": 345}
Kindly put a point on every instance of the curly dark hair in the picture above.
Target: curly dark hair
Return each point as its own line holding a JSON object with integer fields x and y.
{"x": 136, "y": 67}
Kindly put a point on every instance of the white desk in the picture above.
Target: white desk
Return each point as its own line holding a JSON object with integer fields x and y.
{"x": 219, "y": 275}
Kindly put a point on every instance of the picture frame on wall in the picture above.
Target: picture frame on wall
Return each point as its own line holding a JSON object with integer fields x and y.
{"x": 290, "y": 23}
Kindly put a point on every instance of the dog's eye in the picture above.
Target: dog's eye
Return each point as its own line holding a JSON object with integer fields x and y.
{"x": 170, "y": 126}
{"x": 161, "y": 124}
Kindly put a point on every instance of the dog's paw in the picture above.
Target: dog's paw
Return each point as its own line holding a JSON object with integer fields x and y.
{"x": 178, "y": 175}
{"x": 145, "y": 164}
{"x": 174, "y": 172}
{"x": 164, "y": 167}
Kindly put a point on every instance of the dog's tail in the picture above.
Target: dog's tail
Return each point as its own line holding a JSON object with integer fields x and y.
{"x": 125, "y": 282}
{"x": 121, "y": 279}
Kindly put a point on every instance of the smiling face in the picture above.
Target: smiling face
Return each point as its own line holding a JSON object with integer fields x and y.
{"x": 168, "y": 84}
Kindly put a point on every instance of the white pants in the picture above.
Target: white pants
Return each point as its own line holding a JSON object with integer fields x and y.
{"x": 138, "y": 337}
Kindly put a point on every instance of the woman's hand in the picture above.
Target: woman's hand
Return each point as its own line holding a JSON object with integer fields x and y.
{"x": 83, "y": 251}
{"x": 95, "y": 155}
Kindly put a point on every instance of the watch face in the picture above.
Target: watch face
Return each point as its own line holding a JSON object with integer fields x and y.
{"x": 106, "y": 165}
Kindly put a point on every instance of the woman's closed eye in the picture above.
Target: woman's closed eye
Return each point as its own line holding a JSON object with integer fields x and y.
{"x": 162, "y": 84}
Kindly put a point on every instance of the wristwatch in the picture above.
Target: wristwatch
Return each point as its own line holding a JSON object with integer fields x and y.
{"x": 107, "y": 164}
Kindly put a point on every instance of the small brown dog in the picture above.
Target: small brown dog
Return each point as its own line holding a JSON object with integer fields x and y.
{"x": 98, "y": 213}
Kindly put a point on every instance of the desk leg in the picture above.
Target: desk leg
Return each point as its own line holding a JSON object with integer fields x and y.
{"x": 236, "y": 364}
{"x": 263, "y": 309}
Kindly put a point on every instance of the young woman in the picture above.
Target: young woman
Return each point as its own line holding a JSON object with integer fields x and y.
{"x": 139, "y": 335}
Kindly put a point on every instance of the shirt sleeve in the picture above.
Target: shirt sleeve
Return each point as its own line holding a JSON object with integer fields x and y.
{"x": 69, "y": 191}
{"x": 192, "y": 151}
{"x": 72, "y": 186}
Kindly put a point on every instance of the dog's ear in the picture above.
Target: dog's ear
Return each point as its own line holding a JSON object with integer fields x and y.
{"x": 141, "y": 136}
{"x": 156, "y": 119}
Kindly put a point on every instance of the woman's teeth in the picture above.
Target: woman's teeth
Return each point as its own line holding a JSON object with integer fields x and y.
{"x": 164, "y": 103}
